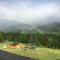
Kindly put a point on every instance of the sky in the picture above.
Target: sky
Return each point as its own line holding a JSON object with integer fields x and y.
{"x": 30, "y": 11}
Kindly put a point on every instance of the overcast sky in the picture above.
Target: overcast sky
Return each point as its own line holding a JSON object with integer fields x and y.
{"x": 30, "y": 11}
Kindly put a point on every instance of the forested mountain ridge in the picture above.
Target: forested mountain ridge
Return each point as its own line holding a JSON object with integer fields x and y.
{"x": 54, "y": 27}
{"x": 13, "y": 26}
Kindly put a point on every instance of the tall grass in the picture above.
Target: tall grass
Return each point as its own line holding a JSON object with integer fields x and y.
{"x": 39, "y": 53}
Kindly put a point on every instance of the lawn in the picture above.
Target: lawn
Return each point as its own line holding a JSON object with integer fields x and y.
{"x": 39, "y": 53}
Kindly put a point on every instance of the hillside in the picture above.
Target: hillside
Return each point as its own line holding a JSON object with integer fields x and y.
{"x": 54, "y": 27}
{"x": 23, "y": 27}
{"x": 14, "y": 26}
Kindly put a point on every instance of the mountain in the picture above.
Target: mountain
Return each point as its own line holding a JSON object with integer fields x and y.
{"x": 54, "y": 27}
{"x": 18, "y": 27}
{"x": 4, "y": 23}
{"x": 14, "y": 26}
{"x": 23, "y": 27}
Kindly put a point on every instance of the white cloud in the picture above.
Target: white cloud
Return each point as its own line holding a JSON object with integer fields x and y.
{"x": 26, "y": 12}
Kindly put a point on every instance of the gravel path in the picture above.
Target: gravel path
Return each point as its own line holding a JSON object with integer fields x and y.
{"x": 9, "y": 56}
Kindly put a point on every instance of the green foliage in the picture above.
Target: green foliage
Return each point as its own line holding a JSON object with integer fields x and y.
{"x": 1, "y": 36}
{"x": 51, "y": 40}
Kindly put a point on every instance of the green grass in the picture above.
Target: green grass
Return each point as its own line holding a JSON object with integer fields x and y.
{"x": 39, "y": 53}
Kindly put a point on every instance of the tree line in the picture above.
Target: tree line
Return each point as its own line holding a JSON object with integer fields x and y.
{"x": 49, "y": 40}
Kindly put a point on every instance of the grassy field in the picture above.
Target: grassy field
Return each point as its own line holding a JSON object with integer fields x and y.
{"x": 39, "y": 53}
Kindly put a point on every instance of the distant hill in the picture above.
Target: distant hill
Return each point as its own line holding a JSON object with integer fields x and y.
{"x": 4, "y": 23}
{"x": 54, "y": 27}
{"x": 23, "y": 27}
{"x": 14, "y": 26}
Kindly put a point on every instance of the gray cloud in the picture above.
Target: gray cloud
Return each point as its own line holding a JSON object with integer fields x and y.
{"x": 24, "y": 11}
